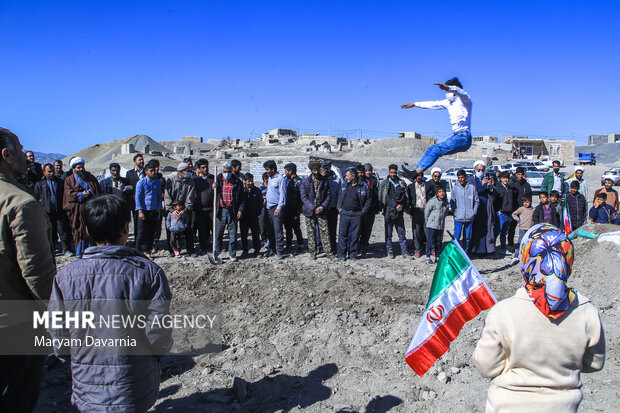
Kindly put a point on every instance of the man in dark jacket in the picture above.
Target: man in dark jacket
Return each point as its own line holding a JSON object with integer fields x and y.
{"x": 111, "y": 272}
{"x": 203, "y": 204}
{"x": 36, "y": 166}
{"x": 253, "y": 200}
{"x": 117, "y": 185}
{"x": 180, "y": 187}
{"x": 49, "y": 192}
{"x": 354, "y": 201}
{"x": 394, "y": 200}
{"x": 335, "y": 183}
{"x": 524, "y": 191}
{"x": 435, "y": 183}
{"x": 417, "y": 198}
{"x": 368, "y": 220}
{"x": 577, "y": 205}
{"x": 291, "y": 215}
{"x": 315, "y": 196}
{"x": 133, "y": 176}
{"x": 505, "y": 205}
{"x": 230, "y": 208}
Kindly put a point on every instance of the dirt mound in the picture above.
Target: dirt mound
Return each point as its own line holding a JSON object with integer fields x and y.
{"x": 102, "y": 154}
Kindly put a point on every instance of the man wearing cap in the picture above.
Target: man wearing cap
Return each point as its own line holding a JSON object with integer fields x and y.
{"x": 368, "y": 220}
{"x": 612, "y": 194}
{"x": 80, "y": 186}
{"x": 435, "y": 183}
{"x": 578, "y": 176}
{"x": 335, "y": 183}
{"x": 553, "y": 180}
{"x": 483, "y": 236}
{"x": 458, "y": 104}
{"x": 115, "y": 184}
{"x": 315, "y": 196}
{"x": 180, "y": 187}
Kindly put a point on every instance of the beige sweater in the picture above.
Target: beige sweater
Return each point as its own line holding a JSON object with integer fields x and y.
{"x": 534, "y": 362}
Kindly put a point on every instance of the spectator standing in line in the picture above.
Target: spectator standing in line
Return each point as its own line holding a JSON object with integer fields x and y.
{"x": 554, "y": 200}
{"x": 316, "y": 196}
{"x": 435, "y": 214}
{"x": 291, "y": 215}
{"x": 353, "y": 202}
{"x": 254, "y": 205}
{"x": 236, "y": 170}
{"x": 545, "y": 213}
{"x": 435, "y": 183}
{"x": 58, "y": 169}
{"x": 263, "y": 218}
{"x": 203, "y": 204}
{"x": 177, "y": 225}
{"x": 464, "y": 203}
{"x": 180, "y": 187}
{"x": 577, "y": 205}
{"x": 483, "y": 231}
{"x": 133, "y": 176}
{"x": 275, "y": 203}
{"x": 524, "y": 215}
{"x": 417, "y": 197}
{"x": 36, "y": 166}
{"x": 230, "y": 208}
{"x": 368, "y": 220}
{"x": 612, "y": 194}
{"x": 505, "y": 204}
{"x": 79, "y": 188}
{"x": 28, "y": 270}
{"x": 601, "y": 212}
{"x": 335, "y": 184}
{"x": 64, "y": 230}
{"x": 524, "y": 190}
{"x": 583, "y": 187}
{"x": 394, "y": 201}
{"x": 117, "y": 185}
{"x": 49, "y": 192}
{"x": 148, "y": 203}
{"x": 553, "y": 180}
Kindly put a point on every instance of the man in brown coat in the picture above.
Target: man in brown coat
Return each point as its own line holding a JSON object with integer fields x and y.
{"x": 28, "y": 269}
{"x": 80, "y": 186}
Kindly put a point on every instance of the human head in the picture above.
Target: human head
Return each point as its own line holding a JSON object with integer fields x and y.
{"x": 138, "y": 161}
{"x": 520, "y": 173}
{"x": 314, "y": 167}
{"x": 189, "y": 161}
{"x": 115, "y": 170}
{"x": 30, "y": 156}
{"x": 461, "y": 176}
{"x": 351, "y": 175}
{"x": 265, "y": 178}
{"x": 441, "y": 193}
{"x": 270, "y": 167}
{"x": 554, "y": 196}
{"x": 12, "y": 159}
{"x": 556, "y": 166}
{"x": 479, "y": 167}
{"x": 368, "y": 170}
{"x": 248, "y": 179}
{"x": 608, "y": 183}
{"x": 436, "y": 174}
{"x": 178, "y": 205}
{"x": 419, "y": 178}
{"x": 527, "y": 202}
{"x": 236, "y": 166}
{"x": 77, "y": 165}
{"x": 290, "y": 169}
{"x": 579, "y": 172}
{"x": 602, "y": 196}
{"x": 183, "y": 168}
{"x": 151, "y": 169}
{"x": 393, "y": 171}
{"x": 48, "y": 170}
{"x": 504, "y": 177}
{"x": 107, "y": 219}
{"x": 227, "y": 171}
{"x": 543, "y": 198}
{"x": 58, "y": 165}
{"x": 574, "y": 187}
{"x": 202, "y": 167}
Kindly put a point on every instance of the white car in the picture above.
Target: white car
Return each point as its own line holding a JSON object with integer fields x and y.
{"x": 535, "y": 180}
{"x": 541, "y": 166}
{"x": 611, "y": 174}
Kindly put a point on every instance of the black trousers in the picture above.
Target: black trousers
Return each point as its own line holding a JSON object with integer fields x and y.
{"x": 204, "y": 224}
{"x": 292, "y": 223}
{"x": 264, "y": 223}
{"x": 418, "y": 230}
{"x": 511, "y": 233}
{"x": 245, "y": 225}
{"x": 146, "y": 230}
{"x": 64, "y": 231}
{"x": 368, "y": 220}
{"x": 332, "y": 225}
{"x": 134, "y": 215}
{"x": 434, "y": 238}
{"x": 348, "y": 235}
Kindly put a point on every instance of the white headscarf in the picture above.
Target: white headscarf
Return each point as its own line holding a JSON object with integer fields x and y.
{"x": 480, "y": 163}
{"x": 579, "y": 168}
{"x": 436, "y": 169}
{"x": 76, "y": 160}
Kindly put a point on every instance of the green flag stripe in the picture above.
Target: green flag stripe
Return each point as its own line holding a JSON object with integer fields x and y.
{"x": 450, "y": 267}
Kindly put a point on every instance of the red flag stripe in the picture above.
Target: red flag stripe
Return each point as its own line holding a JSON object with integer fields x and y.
{"x": 438, "y": 343}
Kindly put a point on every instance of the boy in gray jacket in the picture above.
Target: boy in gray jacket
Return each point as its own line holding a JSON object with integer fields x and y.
{"x": 177, "y": 228}
{"x": 464, "y": 203}
{"x": 435, "y": 217}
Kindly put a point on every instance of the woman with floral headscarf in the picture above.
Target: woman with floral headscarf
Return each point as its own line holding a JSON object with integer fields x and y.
{"x": 535, "y": 344}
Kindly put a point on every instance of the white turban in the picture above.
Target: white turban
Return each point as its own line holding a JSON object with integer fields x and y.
{"x": 436, "y": 169}
{"x": 480, "y": 163}
{"x": 579, "y": 168}
{"x": 76, "y": 160}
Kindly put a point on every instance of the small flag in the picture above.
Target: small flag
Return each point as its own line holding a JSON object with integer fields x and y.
{"x": 458, "y": 294}
{"x": 568, "y": 226}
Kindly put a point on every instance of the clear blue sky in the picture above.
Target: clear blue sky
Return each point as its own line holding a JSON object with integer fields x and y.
{"x": 75, "y": 73}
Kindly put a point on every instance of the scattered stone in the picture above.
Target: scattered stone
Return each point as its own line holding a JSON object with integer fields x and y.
{"x": 455, "y": 370}
{"x": 443, "y": 377}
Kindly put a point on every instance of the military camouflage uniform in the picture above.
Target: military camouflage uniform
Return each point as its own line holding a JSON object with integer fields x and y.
{"x": 320, "y": 221}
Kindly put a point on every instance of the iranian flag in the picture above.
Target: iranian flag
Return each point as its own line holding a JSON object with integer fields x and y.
{"x": 568, "y": 226}
{"x": 458, "y": 294}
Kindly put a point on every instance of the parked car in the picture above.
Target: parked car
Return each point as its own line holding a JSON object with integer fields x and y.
{"x": 587, "y": 159}
{"x": 547, "y": 161}
{"x": 541, "y": 166}
{"x": 611, "y": 174}
{"x": 535, "y": 180}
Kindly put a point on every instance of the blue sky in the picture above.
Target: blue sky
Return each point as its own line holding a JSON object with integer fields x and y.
{"x": 80, "y": 72}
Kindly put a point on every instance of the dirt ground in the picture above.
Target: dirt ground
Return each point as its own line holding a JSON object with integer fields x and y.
{"x": 325, "y": 336}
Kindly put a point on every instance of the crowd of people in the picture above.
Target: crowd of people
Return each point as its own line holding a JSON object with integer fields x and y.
{"x": 339, "y": 212}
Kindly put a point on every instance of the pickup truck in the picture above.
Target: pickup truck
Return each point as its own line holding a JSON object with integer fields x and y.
{"x": 587, "y": 159}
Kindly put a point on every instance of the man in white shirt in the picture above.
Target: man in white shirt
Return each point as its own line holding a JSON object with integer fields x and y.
{"x": 458, "y": 104}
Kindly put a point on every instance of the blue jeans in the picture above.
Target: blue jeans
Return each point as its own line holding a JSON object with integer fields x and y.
{"x": 458, "y": 142}
{"x": 504, "y": 226}
{"x": 465, "y": 228}
{"x": 228, "y": 221}
{"x": 276, "y": 241}
{"x": 399, "y": 223}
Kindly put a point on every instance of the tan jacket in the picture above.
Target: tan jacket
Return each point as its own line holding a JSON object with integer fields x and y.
{"x": 26, "y": 261}
{"x": 534, "y": 362}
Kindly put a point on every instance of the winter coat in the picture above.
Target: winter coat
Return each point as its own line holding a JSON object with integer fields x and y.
{"x": 464, "y": 202}
{"x": 335, "y": 185}
{"x": 362, "y": 192}
{"x": 435, "y": 213}
{"x": 392, "y": 196}
{"x": 432, "y": 186}
{"x": 539, "y": 216}
{"x": 308, "y": 195}
{"x": 547, "y": 183}
{"x": 524, "y": 190}
{"x": 26, "y": 260}
{"x": 238, "y": 201}
{"x": 373, "y": 185}
{"x": 253, "y": 203}
{"x": 182, "y": 190}
{"x": 413, "y": 195}
{"x": 602, "y": 215}
{"x": 112, "y": 382}
{"x": 506, "y": 198}
{"x": 176, "y": 225}
{"x": 384, "y": 187}
{"x": 43, "y": 194}
{"x": 577, "y": 209}
{"x": 293, "y": 203}
{"x": 204, "y": 193}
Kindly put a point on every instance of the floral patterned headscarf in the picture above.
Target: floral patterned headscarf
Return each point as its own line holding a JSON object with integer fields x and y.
{"x": 546, "y": 261}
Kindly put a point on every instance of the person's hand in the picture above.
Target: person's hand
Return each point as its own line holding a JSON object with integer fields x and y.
{"x": 276, "y": 213}
{"x": 175, "y": 214}
{"x": 318, "y": 210}
{"x": 141, "y": 215}
{"x": 239, "y": 213}
{"x": 407, "y": 105}
{"x": 399, "y": 207}
{"x": 442, "y": 86}
{"x": 214, "y": 185}
{"x": 485, "y": 181}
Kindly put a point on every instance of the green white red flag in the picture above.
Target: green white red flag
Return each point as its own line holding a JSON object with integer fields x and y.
{"x": 458, "y": 294}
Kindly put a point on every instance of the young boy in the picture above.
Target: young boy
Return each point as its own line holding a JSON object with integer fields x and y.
{"x": 601, "y": 212}
{"x": 577, "y": 205}
{"x": 110, "y": 379}
{"x": 177, "y": 227}
{"x": 435, "y": 217}
{"x": 525, "y": 217}
{"x": 545, "y": 212}
{"x": 554, "y": 200}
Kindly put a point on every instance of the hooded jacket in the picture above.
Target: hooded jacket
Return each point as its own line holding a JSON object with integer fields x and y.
{"x": 464, "y": 202}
